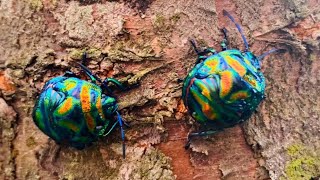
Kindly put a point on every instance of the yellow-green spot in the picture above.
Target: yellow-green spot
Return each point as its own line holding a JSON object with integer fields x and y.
{"x": 304, "y": 163}
{"x": 302, "y": 168}
{"x": 159, "y": 21}
{"x": 35, "y": 4}
{"x": 294, "y": 149}
{"x": 30, "y": 142}
{"x": 313, "y": 57}
{"x": 163, "y": 24}
{"x": 91, "y": 53}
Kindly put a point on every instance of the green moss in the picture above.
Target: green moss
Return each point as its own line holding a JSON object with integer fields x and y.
{"x": 304, "y": 163}
{"x": 91, "y": 53}
{"x": 302, "y": 168}
{"x": 294, "y": 149}
{"x": 35, "y": 4}
{"x": 159, "y": 21}
{"x": 163, "y": 24}
{"x": 313, "y": 57}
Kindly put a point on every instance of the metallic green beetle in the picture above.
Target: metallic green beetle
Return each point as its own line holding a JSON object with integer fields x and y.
{"x": 225, "y": 88}
{"x": 76, "y": 112}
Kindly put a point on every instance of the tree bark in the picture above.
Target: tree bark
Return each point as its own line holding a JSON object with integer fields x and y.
{"x": 145, "y": 45}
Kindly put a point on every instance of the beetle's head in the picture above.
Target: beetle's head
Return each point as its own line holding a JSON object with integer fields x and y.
{"x": 109, "y": 105}
{"x": 253, "y": 59}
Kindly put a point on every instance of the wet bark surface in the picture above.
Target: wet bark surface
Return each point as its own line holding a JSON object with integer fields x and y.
{"x": 145, "y": 44}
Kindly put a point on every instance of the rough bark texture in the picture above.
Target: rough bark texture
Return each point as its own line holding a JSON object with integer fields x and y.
{"x": 146, "y": 43}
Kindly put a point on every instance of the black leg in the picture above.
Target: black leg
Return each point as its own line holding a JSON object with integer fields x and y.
{"x": 193, "y": 43}
{"x": 92, "y": 76}
{"x": 114, "y": 82}
{"x": 202, "y": 55}
{"x": 225, "y": 42}
{"x": 70, "y": 74}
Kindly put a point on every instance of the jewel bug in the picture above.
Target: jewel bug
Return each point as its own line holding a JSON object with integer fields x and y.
{"x": 77, "y": 112}
{"x": 223, "y": 88}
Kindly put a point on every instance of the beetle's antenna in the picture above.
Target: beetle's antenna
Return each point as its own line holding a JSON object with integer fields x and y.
{"x": 122, "y": 135}
{"x": 225, "y": 13}
{"x": 193, "y": 43}
{"x": 270, "y": 52}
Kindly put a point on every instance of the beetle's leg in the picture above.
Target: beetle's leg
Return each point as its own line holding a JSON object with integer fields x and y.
{"x": 92, "y": 76}
{"x": 205, "y": 54}
{"x": 225, "y": 13}
{"x": 201, "y": 133}
{"x": 120, "y": 121}
{"x": 122, "y": 135}
{"x": 70, "y": 74}
{"x": 269, "y": 52}
{"x": 202, "y": 55}
{"x": 105, "y": 86}
{"x": 225, "y": 42}
{"x": 115, "y": 82}
{"x": 113, "y": 126}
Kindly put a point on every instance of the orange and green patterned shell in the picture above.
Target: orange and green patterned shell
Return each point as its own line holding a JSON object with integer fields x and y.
{"x": 73, "y": 111}
{"x": 224, "y": 89}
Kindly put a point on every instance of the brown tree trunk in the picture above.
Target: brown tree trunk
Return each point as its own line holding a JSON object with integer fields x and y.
{"x": 145, "y": 43}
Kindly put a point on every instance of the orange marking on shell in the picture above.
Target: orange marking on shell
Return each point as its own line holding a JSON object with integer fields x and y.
{"x": 90, "y": 121}
{"x": 250, "y": 80}
{"x": 239, "y": 95}
{"x": 70, "y": 85}
{"x": 208, "y": 112}
{"x": 204, "y": 90}
{"x": 85, "y": 99}
{"x": 66, "y": 106}
{"x": 86, "y": 107}
{"x": 99, "y": 107}
{"x": 237, "y": 66}
{"x": 205, "y": 107}
{"x": 212, "y": 63}
{"x": 226, "y": 82}
{"x": 69, "y": 125}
